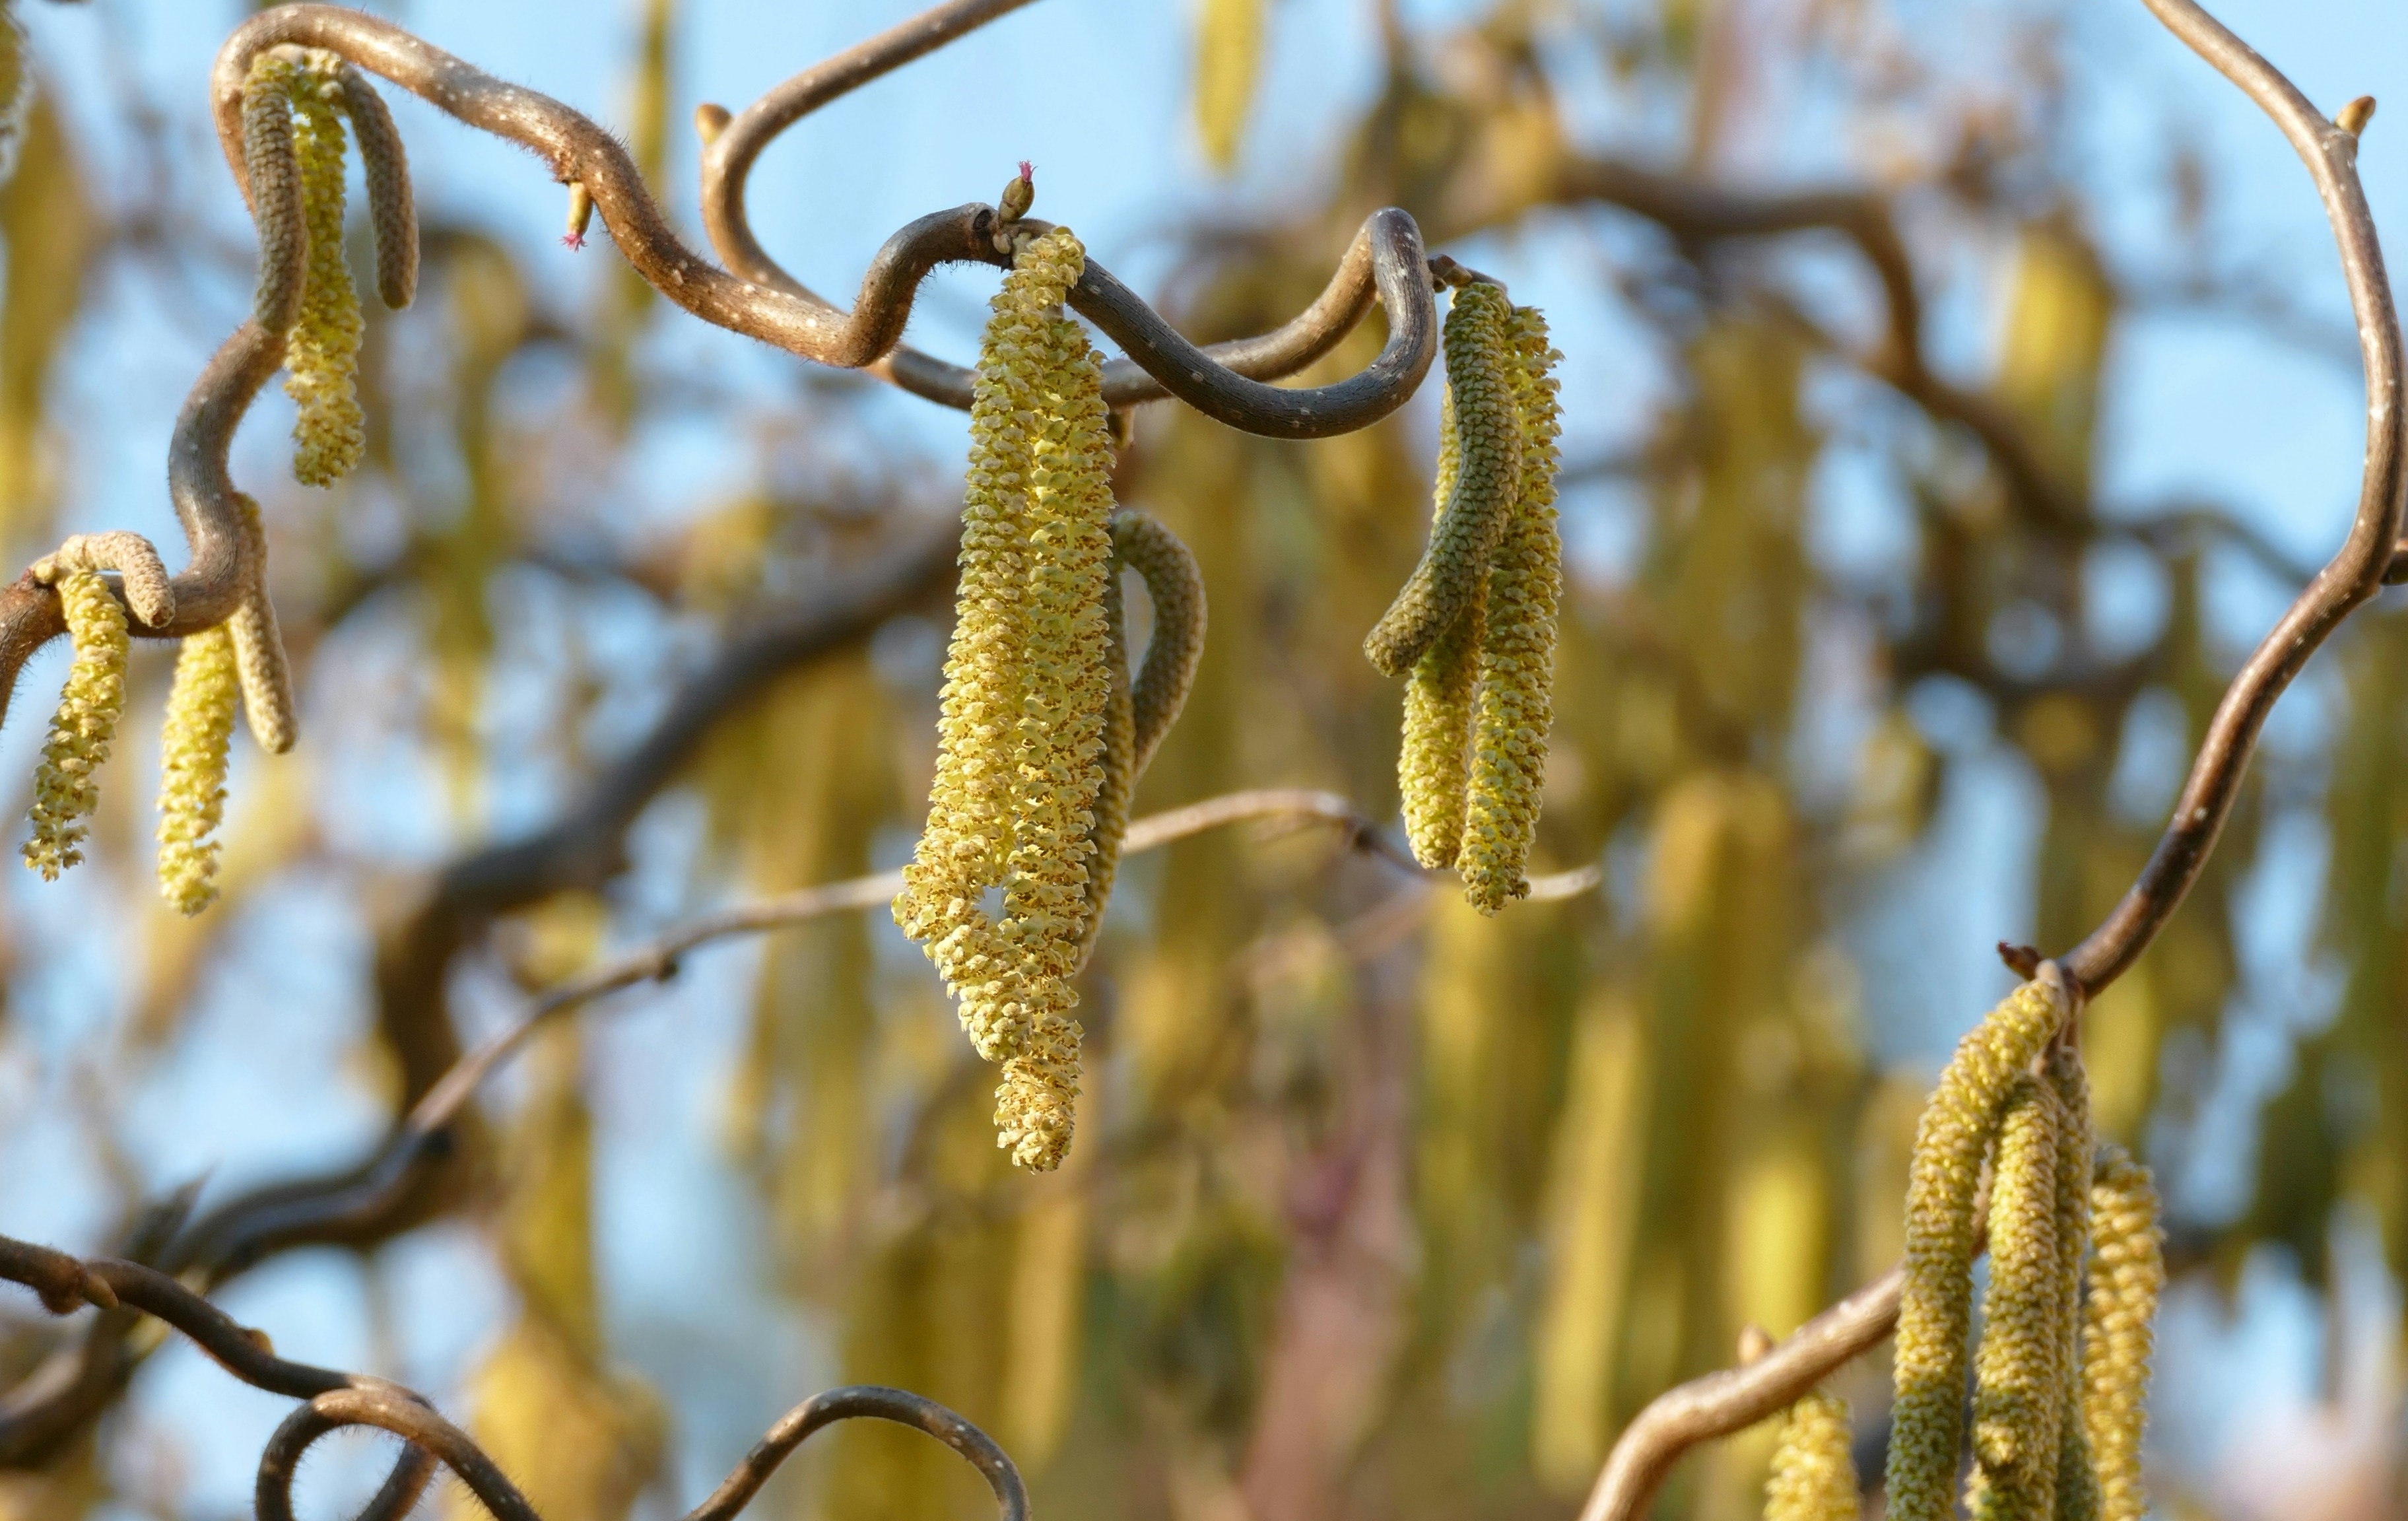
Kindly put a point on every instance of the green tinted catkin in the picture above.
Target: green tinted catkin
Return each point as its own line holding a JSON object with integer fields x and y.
{"x": 1517, "y": 644}
{"x": 1432, "y": 768}
{"x": 2020, "y": 1375}
{"x": 1143, "y": 708}
{"x": 1814, "y": 1470}
{"x": 1488, "y": 442}
{"x": 1935, "y": 1308}
{"x": 2077, "y": 1481}
{"x": 2127, "y": 1271}
{"x": 66, "y": 787}
{"x": 193, "y": 747}
{"x": 260, "y": 663}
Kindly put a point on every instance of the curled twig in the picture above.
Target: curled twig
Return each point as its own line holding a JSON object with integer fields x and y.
{"x": 334, "y": 1400}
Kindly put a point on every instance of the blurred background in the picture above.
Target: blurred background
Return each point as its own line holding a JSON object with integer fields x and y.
{"x": 1886, "y": 641}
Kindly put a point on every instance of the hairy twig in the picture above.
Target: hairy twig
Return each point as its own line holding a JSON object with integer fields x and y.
{"x": 1724, "y": 1402}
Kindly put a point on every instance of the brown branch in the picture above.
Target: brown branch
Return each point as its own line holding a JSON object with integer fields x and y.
{"x": 1721, "y": 1403}
{"x": 334, "y": 1401}
{"x": 762, "y": 302}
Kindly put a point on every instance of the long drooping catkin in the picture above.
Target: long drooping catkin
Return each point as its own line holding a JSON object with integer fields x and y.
{"x": 293, "y": 150}
{"x": 1813, "y": 1471}
{"x": 260, "y": 663}
{"x": 66, "y": 786}
{"x": 1517, "y": 643}
{"x": 2020, "y": 1375}
{"x": 2077, "y": 1481}
{"x": 1488, "y": 443}
{"x": 193, "y": 747}
{"x": 1143, "y": 708}
{"x": 1027, "y": 699}
{"x": 2126, "y": 1274}
{"x": 1928, "y": 1416}
{"x": 1432, "y": 766}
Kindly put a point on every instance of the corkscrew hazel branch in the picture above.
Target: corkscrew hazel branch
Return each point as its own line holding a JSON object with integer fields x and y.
{"x": 334, "y": 1401}
{"x": 1383, "y": 262}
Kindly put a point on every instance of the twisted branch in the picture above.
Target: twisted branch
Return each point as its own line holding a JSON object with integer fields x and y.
{"x": 333, "y": 1400}
{"x": 1724, "y": 1402}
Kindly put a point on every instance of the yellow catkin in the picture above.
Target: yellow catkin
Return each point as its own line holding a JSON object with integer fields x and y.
{"x": 66, "y": 787}
{"x": 1928, "y": 1414}
{"x": 2127, "y": 1271}
{"x": 2020, "y": 1375}
{"x": 1813, "y": 1467}
{"x": 1026, "y": 697}
{"x": 194, "y": 746}
{"x": 1488, "y": 442}
{"x": 2077, "y": 1481}
{"x": 1517, "y": 645}
{"x": 1433, "y": 766}
{"x": 322, "y": 354}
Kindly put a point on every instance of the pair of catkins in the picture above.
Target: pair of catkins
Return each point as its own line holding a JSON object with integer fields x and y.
{"x": 1473, "y": 630}
{"x": 1043, "y": 732}
{"x": 2061, "y": 1380}
{"x": 294, "y": 104}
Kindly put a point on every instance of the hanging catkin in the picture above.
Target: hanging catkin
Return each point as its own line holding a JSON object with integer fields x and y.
{"x": 1517, "y": 645}
{"x": 1432, "y": 776}
{"x": 2126, "y": 1274}
{"x": 1934, "y": 1311}
{"x": 1142, "y": 708}
{"x": 1814, "y": 1470}
{"x": 2020, "y": 1375}
{"x": 1476, "y": 623}
{"x": 193, "y": 747}
{"x": 1486, "y": 478}
{"x": 66, "y": 788}
{"x": 2077, "y": 1479}
{"x": 1026, "y": 697}
{"x": 295, "y": 101}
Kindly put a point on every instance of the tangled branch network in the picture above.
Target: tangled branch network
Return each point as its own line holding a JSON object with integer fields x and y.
{"x": 1042, "y": 549}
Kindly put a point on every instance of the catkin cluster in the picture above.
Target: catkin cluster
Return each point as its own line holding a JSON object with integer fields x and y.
{"x": 1474, "y": 629}
{"x": 2058, "y": 1401}
{"x": 294, "y": 104}
{"x": 241, "y": 659}
{"x": 1040, "y": 736}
